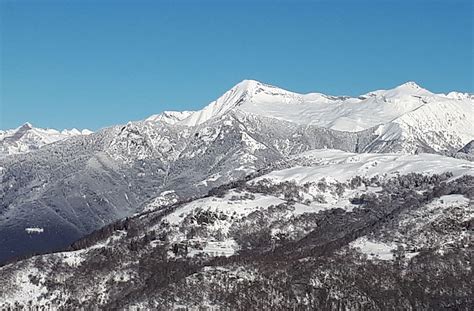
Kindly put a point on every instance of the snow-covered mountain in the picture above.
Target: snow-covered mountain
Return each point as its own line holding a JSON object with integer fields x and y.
{"x": 89, "y": 181}
{"x": 27, "y": 138}
{"x": 405, "y": 117}
{"x": 177, "y": 156}
{"x": 335, "y": 112}
{"x": 264, "y": 199}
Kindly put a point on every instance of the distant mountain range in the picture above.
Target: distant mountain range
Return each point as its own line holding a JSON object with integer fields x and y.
{"x": 295, "y": 197}
{"x": 407, "y": 118}
{"x": 27, "y": 138}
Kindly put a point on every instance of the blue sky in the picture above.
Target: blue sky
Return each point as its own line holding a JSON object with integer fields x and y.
{"x": 90, "y": 64}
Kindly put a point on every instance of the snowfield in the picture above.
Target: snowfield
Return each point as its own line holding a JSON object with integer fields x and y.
{"x": 374, "y": 250}
{"x": 408, "y": 112}
{"x": 335, "y": 112}
{"x": 336, "y": 165}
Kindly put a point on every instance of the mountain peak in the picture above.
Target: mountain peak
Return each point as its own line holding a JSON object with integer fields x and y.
{"x": 411, "y": 84}
{"x": 244, "y": 88}
{"x": 247, "y": 83}
{"x": 409, "y": 88}
{"x": 251, "y": 87}
{"x": 170, "y": 117}
{"x": 242, "y": 92}
{"x": 26, "y": 126}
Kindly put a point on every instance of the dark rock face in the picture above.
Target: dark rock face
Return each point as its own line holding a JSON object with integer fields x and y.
{"x": 468, "y": 149}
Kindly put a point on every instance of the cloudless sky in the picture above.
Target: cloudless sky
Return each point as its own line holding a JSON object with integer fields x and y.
{"x": 90, "y": 64}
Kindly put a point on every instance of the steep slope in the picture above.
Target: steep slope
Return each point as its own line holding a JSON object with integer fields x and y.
{"x": 468, "y": 148}
{"x": 328, "y": 229}
{"x": 442, "y": 126}
{"x": 27, "y": 138}
{"x": 466, "y": 152}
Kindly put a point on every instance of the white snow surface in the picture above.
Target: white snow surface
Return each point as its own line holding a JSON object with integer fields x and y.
{"x": 336, "y": 112}
{"x": 170, "y": 117}
{"x": 374, "y": 250}
{"x": 408, "y": 112}
{"x": 34, "y": 230}
{"x": 336, "y": 165}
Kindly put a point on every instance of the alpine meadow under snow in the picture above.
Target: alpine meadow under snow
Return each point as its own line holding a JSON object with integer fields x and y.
{"x": 263, "y": 200}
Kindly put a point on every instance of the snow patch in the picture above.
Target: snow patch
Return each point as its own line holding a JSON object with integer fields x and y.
{"x": 374, "y": 250}
{"x": 335, "y": 165}
{"x": 34, "y": 230}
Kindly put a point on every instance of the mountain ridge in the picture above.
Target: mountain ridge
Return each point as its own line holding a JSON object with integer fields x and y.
{"x": 393, "y": 111}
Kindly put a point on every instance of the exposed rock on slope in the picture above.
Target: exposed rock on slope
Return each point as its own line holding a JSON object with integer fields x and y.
{"x": 469, "y": 148}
